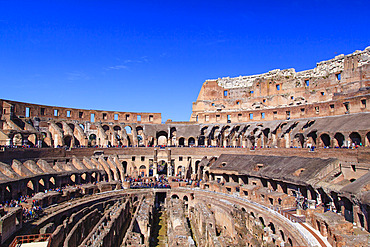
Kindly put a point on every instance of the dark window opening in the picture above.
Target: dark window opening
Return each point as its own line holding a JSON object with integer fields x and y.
{"x": 42, "y": 111}
{"x": 80, "y": 114}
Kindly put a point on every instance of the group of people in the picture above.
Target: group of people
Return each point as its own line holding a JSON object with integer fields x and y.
{"x": 140, "y": 183}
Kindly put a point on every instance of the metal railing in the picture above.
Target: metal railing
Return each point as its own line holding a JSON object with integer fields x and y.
{"x": 19, "y": 240}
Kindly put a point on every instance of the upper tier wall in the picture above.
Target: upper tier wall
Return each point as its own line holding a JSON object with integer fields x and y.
{"x": 27, "y": 110}
{"x": 330, "y": 81}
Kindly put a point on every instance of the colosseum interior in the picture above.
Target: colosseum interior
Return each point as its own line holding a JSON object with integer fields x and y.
{"x": 275, "y": 159}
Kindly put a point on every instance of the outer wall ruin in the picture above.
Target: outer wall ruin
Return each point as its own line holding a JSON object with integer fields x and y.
{"x": 277, "y": 159}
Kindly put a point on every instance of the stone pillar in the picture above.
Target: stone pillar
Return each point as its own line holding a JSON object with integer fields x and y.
{"x": 196, "y": 142}
{"x": 244, "y": 143}
{"x": 224, "y": 143}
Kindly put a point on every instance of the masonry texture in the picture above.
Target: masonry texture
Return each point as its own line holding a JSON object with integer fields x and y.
{"x": 276, "y": 159}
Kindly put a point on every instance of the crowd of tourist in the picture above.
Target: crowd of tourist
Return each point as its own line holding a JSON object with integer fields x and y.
{"x": 141, "y": 183}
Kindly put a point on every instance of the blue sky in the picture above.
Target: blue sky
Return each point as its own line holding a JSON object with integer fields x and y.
{"x": 153, "y": 56}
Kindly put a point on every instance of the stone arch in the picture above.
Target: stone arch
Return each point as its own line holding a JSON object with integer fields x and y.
{"x": 185, "y": 198}
{"x": 68, "y": 140}
{"x": 355, "y": 138}
{"x": 174, "y": 196}
{"x": 92, "y": 140}
{"x": 60, "y": 125}
{"x": 72, "y": 126}
{"x": 52, "y": 183}
{"x": 191, "y": 141}
{"x": 105, "y": 128}
{"x": 162, "y": 167}
{"x": 32, "y": 140}
{"x": 30, "y": 188}
{"x": 339, "y": 139}
{"x": 299, "y": 137}
{"x": 42, "y": 185}
{"x": 367, "y": 140}
{"x": 140, "y": 135}
{"x": 17, "y": 139}
{"x": 181, "y": 141}
{"x": 124, "y": 165}
{"x": 73, "y": 178}
{"x": 179, "y": 171}
{"x": 325, "y": 139}
{"x": 8, "y": 193}
{"x": 142, "y": 171}
{"x": 312, "y": 136}
{"x": 173, "y": 134}
{"x": 117, "y": 128}
{"x": 162, "y": 138}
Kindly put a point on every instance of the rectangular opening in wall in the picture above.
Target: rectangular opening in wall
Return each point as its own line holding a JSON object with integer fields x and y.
{"x": 68, "y": 113}
{"x": 80, "y": 114}
{"x": 262, "y": 115}
{"x": 142, "y": 158}
{"x": 206, "y": 118}
{"x": 225, "y": 93}
{"x": 127, "y": 117}
{"x": 138, "y": 118}
{"x": 180, "y": 158}
{"x": 317, "y": 109}
{"x": 346, "y": 106}
{"x": 322, "y": 93}
{"x": 27, "y": 112}
{"x": 278, "y": 87}
{"x": 307, "y": 82}
{"x": 133, "y": 158}
{"x": 363, "y": 103}
{"x": 331, "y": 106}
{"x": 229, "y": 118}
{"x": 252, "y": 92}
{"x": 150, "y": 118}
{"x": 287, "y": 115}
{"x": 218, "y": 118}
{"x": 116, "y": 116}
{"x": 339, "y": 76}
{"x": 92, "y": 117}
{"x": 302, "y": 110}
{"x": 42, "y": 111}
{"x": 251, "y": 116}
{"x": 56, "y": 113}
{"x": 105, "y": 116}
{"x": 239, "y": 117}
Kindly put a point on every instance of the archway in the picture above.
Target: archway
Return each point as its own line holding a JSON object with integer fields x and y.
{"x": 17, "y": 140}
{"x": 142, "y": 171}
{"x": 312, "y": 137}
{"x": 68, "y": 140}
{"x": 162, "y": 138}
{"x": 30, "y": 188}
{"x": 179, "y": 171}
{"x": 124, "y": 165}
{"x": 182, "y": 141}
{"x": 162, "y": 168}
{"x": 72, "y": 126}
{"x": 52, "y": 183}
{"x": 92, "y": 140}
{"x": 325, "y": 138}
{"x": 339, "y": 138}
{"x": 105, "y": 128}
{"x": 191, "y": 141}
{"x": 32, "y": 140}
{"x": 42, "y": 186}
{"x": 355, "y": 138}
